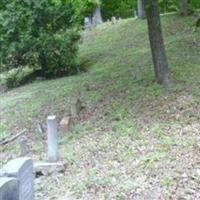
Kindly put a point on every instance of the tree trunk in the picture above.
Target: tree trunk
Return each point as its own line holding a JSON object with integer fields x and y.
{"x": 140, "y": 9}
{"x": 184, "y": 7}
{"x": 156, "y": 42}
{"x": 97, "y": 18}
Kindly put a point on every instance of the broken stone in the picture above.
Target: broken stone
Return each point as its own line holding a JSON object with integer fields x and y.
{"x": 66, "y": 124}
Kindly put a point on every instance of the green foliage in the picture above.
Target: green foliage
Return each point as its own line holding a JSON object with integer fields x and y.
{"x": 39, "y": 34}
{"x": 118, "y": 8}
{"x": 16, "y": 76}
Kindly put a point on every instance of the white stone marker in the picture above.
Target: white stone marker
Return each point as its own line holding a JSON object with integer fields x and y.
{"x": 9, "y": 188}
{"x": 87, "y": 23}
{"x": 52, "y": 131}
{"x": 22, "y": 170}
{"x": 113, "y": 20}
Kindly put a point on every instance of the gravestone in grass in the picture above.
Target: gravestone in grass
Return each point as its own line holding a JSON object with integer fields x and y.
{"x": 87, "y": 23}
{"x": 113, "y": 20}
{"x": 66, "y": 124}
{"x": 9, "y": 188}
{"x": 52, "y": 132}
{"x": 22, "y": 170}
{"x": 76, "y": 107}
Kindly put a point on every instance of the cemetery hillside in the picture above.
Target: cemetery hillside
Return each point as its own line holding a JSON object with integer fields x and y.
{"x": 122, "y": 135}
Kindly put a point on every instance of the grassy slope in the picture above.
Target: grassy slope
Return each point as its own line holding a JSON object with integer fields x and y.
{"x": 135, "y": 138}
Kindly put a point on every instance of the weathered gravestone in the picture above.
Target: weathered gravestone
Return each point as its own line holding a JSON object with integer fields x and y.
{"x": 87, "y": 23}
{"x": 76, "y": 107}
{"x": 113, "y": 20}
{"x": 9, "y": 188}
{"x": 52, "y": 131}
{"x": 23, "y": 146}
{"x": 22, "y": 170}
{"x": 66, "y": 124}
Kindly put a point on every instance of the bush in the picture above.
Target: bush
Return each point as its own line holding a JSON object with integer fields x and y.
{"x": 16, "y": 77}
{"x": 39, "y": 34}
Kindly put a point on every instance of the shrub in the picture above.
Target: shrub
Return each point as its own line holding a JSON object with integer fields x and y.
{"x": 39, "y": 34}
{"x": 16, "y": 77}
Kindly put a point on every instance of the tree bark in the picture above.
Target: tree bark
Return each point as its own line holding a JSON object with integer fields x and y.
{"x": 156, "y": 42}
{"x": 140, "y": 9}
{"x": 184, "y": 7}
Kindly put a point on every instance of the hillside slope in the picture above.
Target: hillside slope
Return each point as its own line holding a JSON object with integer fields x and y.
{"x": 134, "y": 139}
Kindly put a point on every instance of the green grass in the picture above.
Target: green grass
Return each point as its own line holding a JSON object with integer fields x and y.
{"x": 132, "y": 130}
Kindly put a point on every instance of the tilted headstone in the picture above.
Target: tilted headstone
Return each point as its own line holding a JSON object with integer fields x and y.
{"x": 22, "y": 170}
{"x": 9, "y": 188}
{"x": 52, "y": 132}
{"x": 87, "y": 23}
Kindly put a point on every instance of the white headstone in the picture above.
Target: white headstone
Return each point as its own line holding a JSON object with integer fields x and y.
{"x": 22, "y": 170}
{"x": 87, "y": 23}
{"x": 113, "y": 20}
{"x": 52, "y": 131}
{"x": 9, "y": 188}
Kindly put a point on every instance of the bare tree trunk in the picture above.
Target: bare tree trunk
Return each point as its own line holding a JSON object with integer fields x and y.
{"x": 156, "y": 42}
{"x": 140, "y": 9}
{"x": 184, "y": 7}
{"x": 97, "y": 18}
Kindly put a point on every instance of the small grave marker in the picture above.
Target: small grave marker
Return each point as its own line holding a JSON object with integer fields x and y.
{"x": 52, "y": 131}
